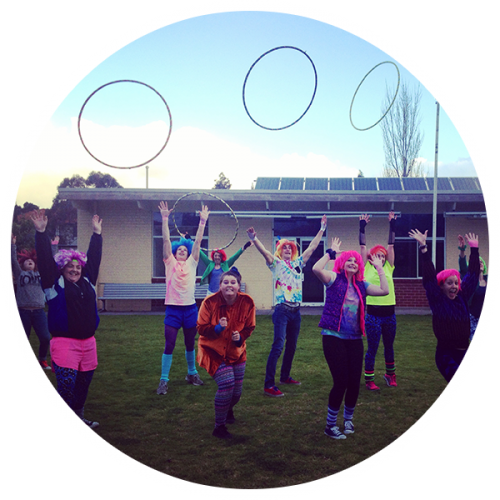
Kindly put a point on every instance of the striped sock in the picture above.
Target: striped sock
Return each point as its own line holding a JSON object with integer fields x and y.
{"x": 166, "y": 363}
{"x": 190, "y": 358}
{"x": 348, "y": 413}
{"x": 390, "y": 368}
{"x": 331, "y": 417}
{"x": 369, "y": 375}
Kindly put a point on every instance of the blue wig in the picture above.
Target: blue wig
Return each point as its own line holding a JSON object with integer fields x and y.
{"x": 183, "y": 242}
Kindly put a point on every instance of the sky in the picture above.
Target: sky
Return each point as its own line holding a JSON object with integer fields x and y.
{"x": 199, "y": 67}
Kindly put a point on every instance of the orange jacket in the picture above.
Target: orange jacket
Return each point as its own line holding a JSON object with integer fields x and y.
{"x": 215, "y": 349}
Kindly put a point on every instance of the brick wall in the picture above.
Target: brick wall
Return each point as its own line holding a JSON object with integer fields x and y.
{"x": 410, "y": 293}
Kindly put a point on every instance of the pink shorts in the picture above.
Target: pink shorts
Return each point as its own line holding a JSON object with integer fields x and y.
{"x": 77, "y": 354}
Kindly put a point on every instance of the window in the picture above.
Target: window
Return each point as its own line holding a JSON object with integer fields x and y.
{"x": 186, "y": 223}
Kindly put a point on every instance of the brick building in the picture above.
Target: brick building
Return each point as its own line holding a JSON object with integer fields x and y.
{"x": 283, "y": 207}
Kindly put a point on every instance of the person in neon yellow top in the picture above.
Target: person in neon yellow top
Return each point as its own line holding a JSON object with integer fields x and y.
{"x": 380, "y": 318}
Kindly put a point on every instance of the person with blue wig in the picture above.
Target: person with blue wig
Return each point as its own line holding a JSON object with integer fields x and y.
{"x": 181, "y": 260}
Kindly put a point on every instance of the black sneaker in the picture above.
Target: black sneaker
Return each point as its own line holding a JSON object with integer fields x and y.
{"x": 230, "y": 417}
{"x": 334, "y": 432}
{"x": 348, "y": 427}
{"x": 194, "y": 379}
{"x": 90, "y": 423}
{"x": 162, "y": 387}
{"x": 221, "y": 432}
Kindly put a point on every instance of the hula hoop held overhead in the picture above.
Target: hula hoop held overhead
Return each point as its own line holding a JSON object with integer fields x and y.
{"x": 217, "y": 198}
{"x": 312, "y": 98}
{"x": 390, "y": 105}
{"x": 112, "y": 83}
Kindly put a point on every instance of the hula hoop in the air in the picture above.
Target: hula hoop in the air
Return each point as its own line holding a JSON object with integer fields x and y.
{"x": 308, "y": 106}
{"x": 125, "y": 81}
{"x": 217, "y": 198}
{"x": 390, "y": 106}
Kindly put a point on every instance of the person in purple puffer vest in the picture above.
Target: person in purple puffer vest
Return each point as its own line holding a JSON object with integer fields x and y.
{"x": 343, "y": 326}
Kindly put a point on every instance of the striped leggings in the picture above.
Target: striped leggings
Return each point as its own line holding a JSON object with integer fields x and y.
{"x": 229, "y": 380}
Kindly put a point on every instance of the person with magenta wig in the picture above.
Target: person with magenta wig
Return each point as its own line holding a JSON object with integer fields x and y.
{"x": 343, "y": 326}
{"x": 69, "y": 279}
{"x": 380, "y": 310}
{"x": 448, "y": 296}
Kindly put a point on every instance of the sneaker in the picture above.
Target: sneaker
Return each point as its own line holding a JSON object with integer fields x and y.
{"x": 194, "y": 379}
{"x": 348, "y": 427}
{"x": 334, "y": 432}
{"x": 390, "y": 380}
{"x": 370, "y": 385}
{"x": 162, "y": 387}
{"x": 230, "y": 417}
{"x": 221, "y": 432}
{"x": 290, "y": 380}
{"x": 90, "y": 423}
{"x": 274, "y": 392}
{"x": 44, "y": 365}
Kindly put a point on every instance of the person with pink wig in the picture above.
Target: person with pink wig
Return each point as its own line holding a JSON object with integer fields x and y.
{"x": 380, "y": 310}
{"x": 286, "y": 266}
{"x": 448, "y": 298}
{"x": 68, "y": 280}
{"x": 343, "y": 326}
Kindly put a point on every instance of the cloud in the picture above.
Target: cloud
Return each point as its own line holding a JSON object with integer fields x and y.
{"x": 463, "y": 167}
{"x": 193, "y": 159}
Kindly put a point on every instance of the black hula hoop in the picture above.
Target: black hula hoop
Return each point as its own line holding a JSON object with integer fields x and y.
{"x": 312, "y": 99}
{"x": 390, "y": 106}
{"x": 217, "y": 198}
{"x": 125, "y": 81}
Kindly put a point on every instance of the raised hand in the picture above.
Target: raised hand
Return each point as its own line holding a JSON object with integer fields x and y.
{"x": 204, "y": 213}
{"x": 461, "y": 241}
{"x": 392, "y": 215}
{"x": 251, "y": 233}
{"x": 39, "y": 220}
{"x": 375, "y": 261}
{"x": 335, "y": 246}
{"x": 364, "y": 219}
{"x": 165, "y": 212}
{"x": 55, "y": 241}
{"x": 472, "y": 240}
{"x": 96, "y": 224}
{"x": 417, "y": 235}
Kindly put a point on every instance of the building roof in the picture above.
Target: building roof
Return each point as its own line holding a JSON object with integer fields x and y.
{"x": 305, "y": 196}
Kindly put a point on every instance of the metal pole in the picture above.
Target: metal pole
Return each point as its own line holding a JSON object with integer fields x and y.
{"x": 434, "y": 198}
{"x": 147, "y": 176}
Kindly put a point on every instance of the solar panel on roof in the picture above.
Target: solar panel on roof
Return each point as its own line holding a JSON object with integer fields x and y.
{"x": 389, "y": 184}
{"x": 292, "y": 183}
{"x": 267, "y": 183}
{"x": 443, "y": 183}
{"x": 341, "y": 184}
{"x": 316, "y": 184}
{"x": 414, "y": 184}
{"x": 365, "y": 184}
{"x": 464, "y": 183}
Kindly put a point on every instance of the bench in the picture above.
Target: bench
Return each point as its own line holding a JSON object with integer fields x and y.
{"x": 147, "y": 291}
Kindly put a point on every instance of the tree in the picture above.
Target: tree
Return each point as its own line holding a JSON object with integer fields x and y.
{"x": 401, "y": 133}
{"x": 222, "y": 182}
{"x": 100, "y": 180}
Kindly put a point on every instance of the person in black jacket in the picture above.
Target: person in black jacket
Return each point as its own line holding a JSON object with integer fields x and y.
{"x": 68, "y": 279}
{"x": 448, "y": 298}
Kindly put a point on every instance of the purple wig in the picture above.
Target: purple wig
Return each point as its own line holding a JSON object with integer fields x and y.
{"x": 65, "y": 256}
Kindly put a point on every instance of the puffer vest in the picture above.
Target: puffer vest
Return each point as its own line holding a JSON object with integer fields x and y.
{"x": 334, "y": 302}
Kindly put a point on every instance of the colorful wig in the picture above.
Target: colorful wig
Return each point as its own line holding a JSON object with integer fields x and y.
{"x": 485, "y": 269}
{"x": 183, "y": 242}
{"x": 376, "y": 249}
{"x": 444, "y": 275}
{"x": 65, "y": 256}
{"x": 344, "y": 257}
{"x": 281, "y": 244}
{"x": 24, "y": 255}
{"x": 223, "y": 256}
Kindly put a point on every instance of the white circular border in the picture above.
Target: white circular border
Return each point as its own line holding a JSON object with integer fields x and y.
{"x": 285, "y": 8}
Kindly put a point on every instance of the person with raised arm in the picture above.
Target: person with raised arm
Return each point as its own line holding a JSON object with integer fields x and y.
{"x": 448, "y": 296}
{"x": 343, "y": 326}
{"x": 286, "y": 266}
{"x": 69, "y": 279}
{"x": 380, "y": 310}
{"x": 181, "y": 260}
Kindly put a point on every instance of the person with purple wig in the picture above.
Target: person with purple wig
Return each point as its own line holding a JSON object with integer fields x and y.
{"x": 343, "y": 326}
{"x": 448, "y": 296}
{"x": 68, "y": 280}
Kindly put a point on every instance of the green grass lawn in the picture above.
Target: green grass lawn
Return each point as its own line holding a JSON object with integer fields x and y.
{"x": 277, "y": 441}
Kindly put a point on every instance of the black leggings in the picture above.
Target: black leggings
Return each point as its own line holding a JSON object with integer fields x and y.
{"x": 345, "y": 360}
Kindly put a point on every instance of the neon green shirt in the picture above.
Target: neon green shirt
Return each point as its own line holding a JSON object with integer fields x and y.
{"x": 371, "y": 276}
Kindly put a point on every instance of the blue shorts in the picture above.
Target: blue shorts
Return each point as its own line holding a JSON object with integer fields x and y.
{"x": 177, "y": 316}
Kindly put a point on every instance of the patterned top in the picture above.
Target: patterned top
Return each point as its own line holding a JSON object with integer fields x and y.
{"x": 180, "y": 278}
{"x": 287, "y": 278}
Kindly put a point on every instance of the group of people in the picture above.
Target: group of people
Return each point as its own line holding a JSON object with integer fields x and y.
{"x": 359, "y": 301}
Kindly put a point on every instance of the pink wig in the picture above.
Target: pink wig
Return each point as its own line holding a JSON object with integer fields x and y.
{"x": 65, "y": 256}
{"x": 344, "y": 257}
{"x": 223, "y": 256}
{"x": 281, "y": 244}
{"x": 444, "y": 275}
{"x": 376, "y": 249}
